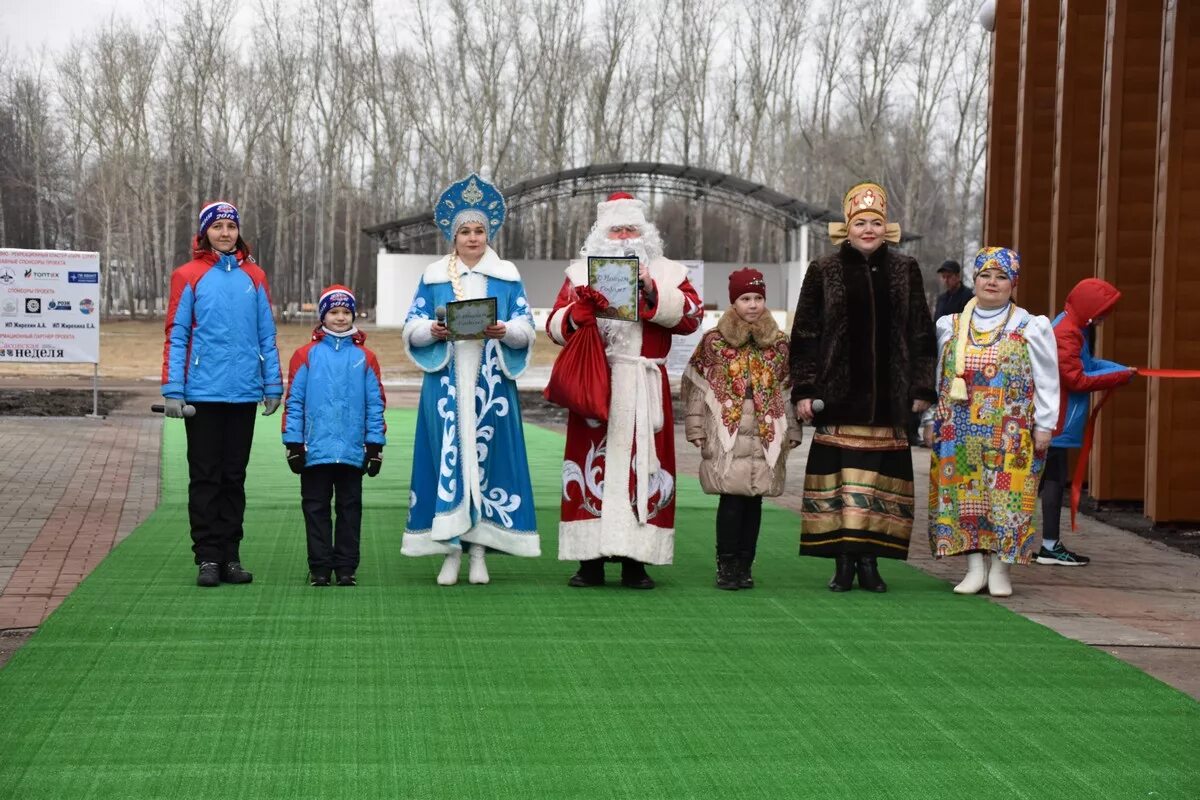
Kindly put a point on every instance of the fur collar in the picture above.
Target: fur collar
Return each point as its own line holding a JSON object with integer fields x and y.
{"x": 490, "y": 265}
{"x": 737, "y": 332}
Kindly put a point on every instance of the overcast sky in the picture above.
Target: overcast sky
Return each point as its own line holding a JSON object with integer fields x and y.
{"x": 28, "y": 25}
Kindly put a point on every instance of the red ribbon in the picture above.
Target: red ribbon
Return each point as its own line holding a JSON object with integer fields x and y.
{"x": 1089, "y": 432}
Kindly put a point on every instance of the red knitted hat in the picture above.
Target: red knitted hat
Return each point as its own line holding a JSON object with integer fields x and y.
{"x": 745, "y": 281}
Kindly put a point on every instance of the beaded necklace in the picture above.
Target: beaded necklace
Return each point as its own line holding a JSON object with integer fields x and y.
{"x": 976, "y": 336}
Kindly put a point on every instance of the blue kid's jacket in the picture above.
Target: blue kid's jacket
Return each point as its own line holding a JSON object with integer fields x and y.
{"x": 335, "y": 399}
{"x": 1079, "y": 372}
{"x": 220, "y": 335}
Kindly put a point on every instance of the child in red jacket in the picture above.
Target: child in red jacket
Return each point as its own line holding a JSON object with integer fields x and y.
{"x": 1079, "y": 374}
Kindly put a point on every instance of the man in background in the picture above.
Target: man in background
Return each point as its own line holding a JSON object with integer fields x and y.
{"x": 954, "y": 299}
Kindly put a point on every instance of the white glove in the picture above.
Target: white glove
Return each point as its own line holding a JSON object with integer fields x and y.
{"x": 270, "y": 406}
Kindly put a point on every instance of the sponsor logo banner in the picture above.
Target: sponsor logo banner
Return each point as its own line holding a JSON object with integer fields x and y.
{"x": 48, "y": 311}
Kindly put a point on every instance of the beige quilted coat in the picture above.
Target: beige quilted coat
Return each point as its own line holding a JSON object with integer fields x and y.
{"x": 743, "y": 468}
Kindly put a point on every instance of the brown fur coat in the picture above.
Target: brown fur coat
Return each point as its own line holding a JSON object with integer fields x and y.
{"x": 862, "y": 338}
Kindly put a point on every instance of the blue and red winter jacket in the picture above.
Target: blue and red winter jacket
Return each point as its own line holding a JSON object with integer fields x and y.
{"x": 1079, "y": 372}
{"x": 335, "y": 399}
{"x": 220, "y": 345}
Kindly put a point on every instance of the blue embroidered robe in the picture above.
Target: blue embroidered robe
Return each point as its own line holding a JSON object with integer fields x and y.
{"x": 457, "y": 499}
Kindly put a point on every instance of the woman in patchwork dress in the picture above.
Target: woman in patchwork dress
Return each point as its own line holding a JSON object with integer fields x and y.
{"x": 997, "y": 407}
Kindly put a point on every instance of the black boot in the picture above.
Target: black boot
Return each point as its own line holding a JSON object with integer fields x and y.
{"x": 744, "y": 578}
{"x": 233, "y": 572}
{"x": 591, "y": 573}
{"x": 843, "y": 576}
{"x": 633, "y": 575}
{"x": 727, "y": 572}
{"x": 868, "y": 575}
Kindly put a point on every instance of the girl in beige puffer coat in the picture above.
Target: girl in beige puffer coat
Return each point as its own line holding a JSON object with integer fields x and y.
{"x": 735, "y": 397}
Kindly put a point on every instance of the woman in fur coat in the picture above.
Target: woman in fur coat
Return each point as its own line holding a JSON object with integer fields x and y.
{"x": 863, "y": 344}
{"x": 736, "y": 411}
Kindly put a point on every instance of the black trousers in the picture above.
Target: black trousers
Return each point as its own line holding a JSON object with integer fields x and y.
{"x": 1054, "y": 484}
{"x": 218, "y": 448}
{"x": 332, "y": 547}
{"x": 738, "y": 520}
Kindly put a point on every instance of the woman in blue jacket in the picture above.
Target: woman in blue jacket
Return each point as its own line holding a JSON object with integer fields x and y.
{"x": 219, "y": 359}
{"x": 333, "y": 430}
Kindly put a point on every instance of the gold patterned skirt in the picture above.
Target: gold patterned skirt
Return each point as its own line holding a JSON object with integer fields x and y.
{"x": 858, "y": 493}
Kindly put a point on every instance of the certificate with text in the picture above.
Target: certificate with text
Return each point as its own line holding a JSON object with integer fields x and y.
{"x": 467, "y": 319}
{"x": 617, "y": 280}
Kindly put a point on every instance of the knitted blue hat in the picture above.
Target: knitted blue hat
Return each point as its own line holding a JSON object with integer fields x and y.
{"x": 336, "y": 296}
{"x": 215, "y": 211}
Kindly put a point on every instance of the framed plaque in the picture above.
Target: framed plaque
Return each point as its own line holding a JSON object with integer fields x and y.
{"x": 616, "y": 279}
{"x": 466, "y": 319}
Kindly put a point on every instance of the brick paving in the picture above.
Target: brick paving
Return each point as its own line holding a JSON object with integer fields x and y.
{"x": 74, "y": 487}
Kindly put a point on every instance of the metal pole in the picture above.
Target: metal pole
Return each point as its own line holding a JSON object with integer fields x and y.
{"x": 95, "y": 391}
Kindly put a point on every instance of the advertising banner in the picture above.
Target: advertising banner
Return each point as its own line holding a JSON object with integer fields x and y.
{"x": 682, "y": 347}
{"x": 49, "y": 306}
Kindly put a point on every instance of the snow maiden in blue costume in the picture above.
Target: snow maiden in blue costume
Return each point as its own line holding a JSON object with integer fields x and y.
{"x": 470, "y": 474}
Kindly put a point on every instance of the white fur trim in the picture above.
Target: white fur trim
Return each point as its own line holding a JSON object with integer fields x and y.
{"x": 557, "y": 327}
{"x": 584, "y": 540}
{"x": 526, "y": 543}
{"x": 502, "y": 358}
{"x": 669, "y": 311}
{"x": 406, "y": 335}
{"x": 621, "y": 212}
{"x": 491, "y": 265}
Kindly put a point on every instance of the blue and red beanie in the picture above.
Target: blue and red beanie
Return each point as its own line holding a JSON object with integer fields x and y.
{"x": 215, "y": 211}
{"x": 336, "y": 296}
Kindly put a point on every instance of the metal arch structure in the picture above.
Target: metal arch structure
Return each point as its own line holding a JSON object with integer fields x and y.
{"x": 690, "y": 183}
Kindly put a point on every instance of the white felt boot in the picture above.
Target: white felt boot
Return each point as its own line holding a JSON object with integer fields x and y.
{"x": 477, "y": 572}
{"x": 449, "y": 574}
{"x": 999, "y": 581}
{"x": 977, "y": 575}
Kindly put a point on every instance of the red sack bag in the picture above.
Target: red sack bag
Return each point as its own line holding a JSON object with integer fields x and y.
{"x": 579, "y": 378}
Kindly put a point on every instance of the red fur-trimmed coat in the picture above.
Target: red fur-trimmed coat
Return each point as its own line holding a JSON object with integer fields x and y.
{"x": 601, "y": 517}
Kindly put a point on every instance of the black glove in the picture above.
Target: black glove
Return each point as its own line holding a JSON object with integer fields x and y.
{"x": 374, "y": 459}
{"x": 295, "y": 457}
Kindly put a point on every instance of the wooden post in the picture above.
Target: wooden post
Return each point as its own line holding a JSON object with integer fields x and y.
{"x": 1125, "y": 237}
{"x": 1173, "y": 408}
{"x": 1036, "y": 104}
{"x": 1002, "y": 126}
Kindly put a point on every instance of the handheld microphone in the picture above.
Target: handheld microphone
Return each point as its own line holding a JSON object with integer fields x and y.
{"x": 818, "y": 406}
{"x": 188, "y": 410}
{"x": 440, "y": 313}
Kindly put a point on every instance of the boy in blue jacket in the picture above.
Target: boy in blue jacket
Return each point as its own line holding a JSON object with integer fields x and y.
{"x": 1079, "y": 374}
{"x": 333, "y": 430}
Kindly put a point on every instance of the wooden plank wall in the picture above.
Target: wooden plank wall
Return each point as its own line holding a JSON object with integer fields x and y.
{"x": 1036, "y": 104}
{"x": 1173, "y": 444}
{"x": 1125, "y": 237}
{"x": 998, "y": 201}
{"x": 1077, "y": 146}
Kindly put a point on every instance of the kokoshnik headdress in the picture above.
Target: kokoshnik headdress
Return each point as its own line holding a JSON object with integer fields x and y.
{"x": 472, "y": 199}
{"x": 864, "y": 198}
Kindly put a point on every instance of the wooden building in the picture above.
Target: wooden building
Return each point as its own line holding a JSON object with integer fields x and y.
{"x": 1093, "y": 169}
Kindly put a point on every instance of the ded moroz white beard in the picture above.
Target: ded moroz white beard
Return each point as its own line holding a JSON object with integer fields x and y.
{"x": 647, "y": 248}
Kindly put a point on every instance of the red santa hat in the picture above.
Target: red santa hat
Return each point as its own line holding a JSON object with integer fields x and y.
{"x": 621, "y": 208}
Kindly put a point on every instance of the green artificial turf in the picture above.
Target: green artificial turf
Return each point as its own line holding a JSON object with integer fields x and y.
{"x": 143, "y": 685}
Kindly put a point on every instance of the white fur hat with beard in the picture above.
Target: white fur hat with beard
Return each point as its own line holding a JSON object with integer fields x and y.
{"x": 621, "y": 210}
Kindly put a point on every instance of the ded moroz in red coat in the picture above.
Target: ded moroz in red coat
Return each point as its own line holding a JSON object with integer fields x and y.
{"x": 634, "y": 515}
